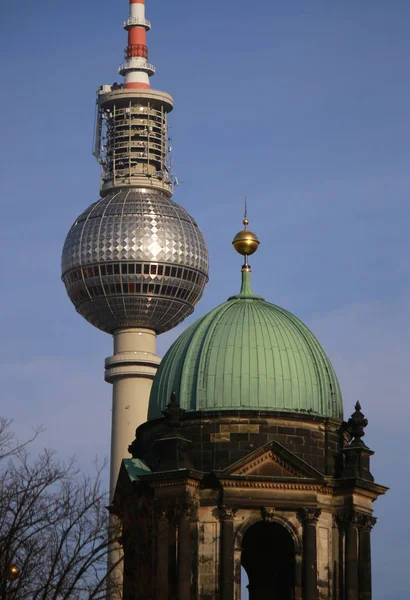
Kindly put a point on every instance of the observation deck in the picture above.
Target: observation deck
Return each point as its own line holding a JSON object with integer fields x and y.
{"x": 135, "y": 22}
{"x": 136, "y": 64}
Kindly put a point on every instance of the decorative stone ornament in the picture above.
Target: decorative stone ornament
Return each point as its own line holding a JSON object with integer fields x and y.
{"x": 188, "y": 510}
{"x": 173, "y": 412}
{"x": 356, "y": 425}
{"x": 268, "y": 514}
{"x": 227, "y": 512}
{"x": 309, "y": 515}
{"x": 357, "y": 454}
{"x": 367, "y": 522}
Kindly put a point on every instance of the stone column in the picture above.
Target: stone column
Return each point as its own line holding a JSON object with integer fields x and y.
{"x": 309, "y": 517}
{"x": 227, "y": 515}
{"x": 161, "y": 575}
{"x": 298, "y": 576}
{"x": 184, "y": 552}
{"x": 352, "y": 559}
{"x": 338, "y": 554}
{"x": 366, "y": 523}
{"x": 172, "y": 555}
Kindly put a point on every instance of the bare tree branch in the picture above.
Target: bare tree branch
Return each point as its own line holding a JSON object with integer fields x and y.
{"x": 53, "y": 525}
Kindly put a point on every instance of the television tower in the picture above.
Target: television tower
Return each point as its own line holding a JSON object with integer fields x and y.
{"x": 134, "y": 263}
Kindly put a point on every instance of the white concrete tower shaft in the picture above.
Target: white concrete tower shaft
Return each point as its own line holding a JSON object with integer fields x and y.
{"x": 131, "y": 370}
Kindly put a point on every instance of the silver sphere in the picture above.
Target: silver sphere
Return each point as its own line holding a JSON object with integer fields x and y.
{"x": 135, "y": 258}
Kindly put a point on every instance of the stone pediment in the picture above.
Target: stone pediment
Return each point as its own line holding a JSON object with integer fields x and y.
{"x": 273, "y": 460}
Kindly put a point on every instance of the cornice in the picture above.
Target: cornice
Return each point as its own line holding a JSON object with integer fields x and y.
{"x": 243, "y": 416}
{"x": 172, "y": 483}
{"x": 267, "y": 483}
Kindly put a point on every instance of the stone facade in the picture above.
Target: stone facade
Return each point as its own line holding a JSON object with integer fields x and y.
{"x": 289, "y": 498}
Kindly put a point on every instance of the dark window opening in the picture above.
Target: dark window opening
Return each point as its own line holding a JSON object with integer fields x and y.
{"x": 268, "y": 557}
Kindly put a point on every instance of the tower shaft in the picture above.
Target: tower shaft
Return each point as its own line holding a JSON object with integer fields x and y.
{"x": 131, "y": 370}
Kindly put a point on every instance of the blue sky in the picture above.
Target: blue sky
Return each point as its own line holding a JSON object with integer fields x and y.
{"x": 303, "y": 106}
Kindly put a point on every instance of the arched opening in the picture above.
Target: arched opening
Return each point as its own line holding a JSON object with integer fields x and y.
{"x": 268, "y": 557}
{"x": 244, "y": 585}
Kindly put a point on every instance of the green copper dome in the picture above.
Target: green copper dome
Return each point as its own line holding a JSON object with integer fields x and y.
{"x": 247, "y": 354}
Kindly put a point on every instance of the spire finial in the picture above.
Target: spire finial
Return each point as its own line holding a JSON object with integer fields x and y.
{"x": 245, "y": 242}
{"x": 245, "y": 215}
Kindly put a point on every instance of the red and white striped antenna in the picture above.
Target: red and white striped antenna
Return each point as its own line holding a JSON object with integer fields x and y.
{"x": 136, "y": 69}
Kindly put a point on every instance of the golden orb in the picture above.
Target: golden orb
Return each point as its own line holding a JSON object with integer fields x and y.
{"x": 12, "y": 572}
{"x": 245, "y": 242}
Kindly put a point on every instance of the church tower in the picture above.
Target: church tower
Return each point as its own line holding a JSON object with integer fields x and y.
{"x": 246, "y": 462}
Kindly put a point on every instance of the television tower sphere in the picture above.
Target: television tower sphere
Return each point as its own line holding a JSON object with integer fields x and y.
{"x": 135, "y": 258}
